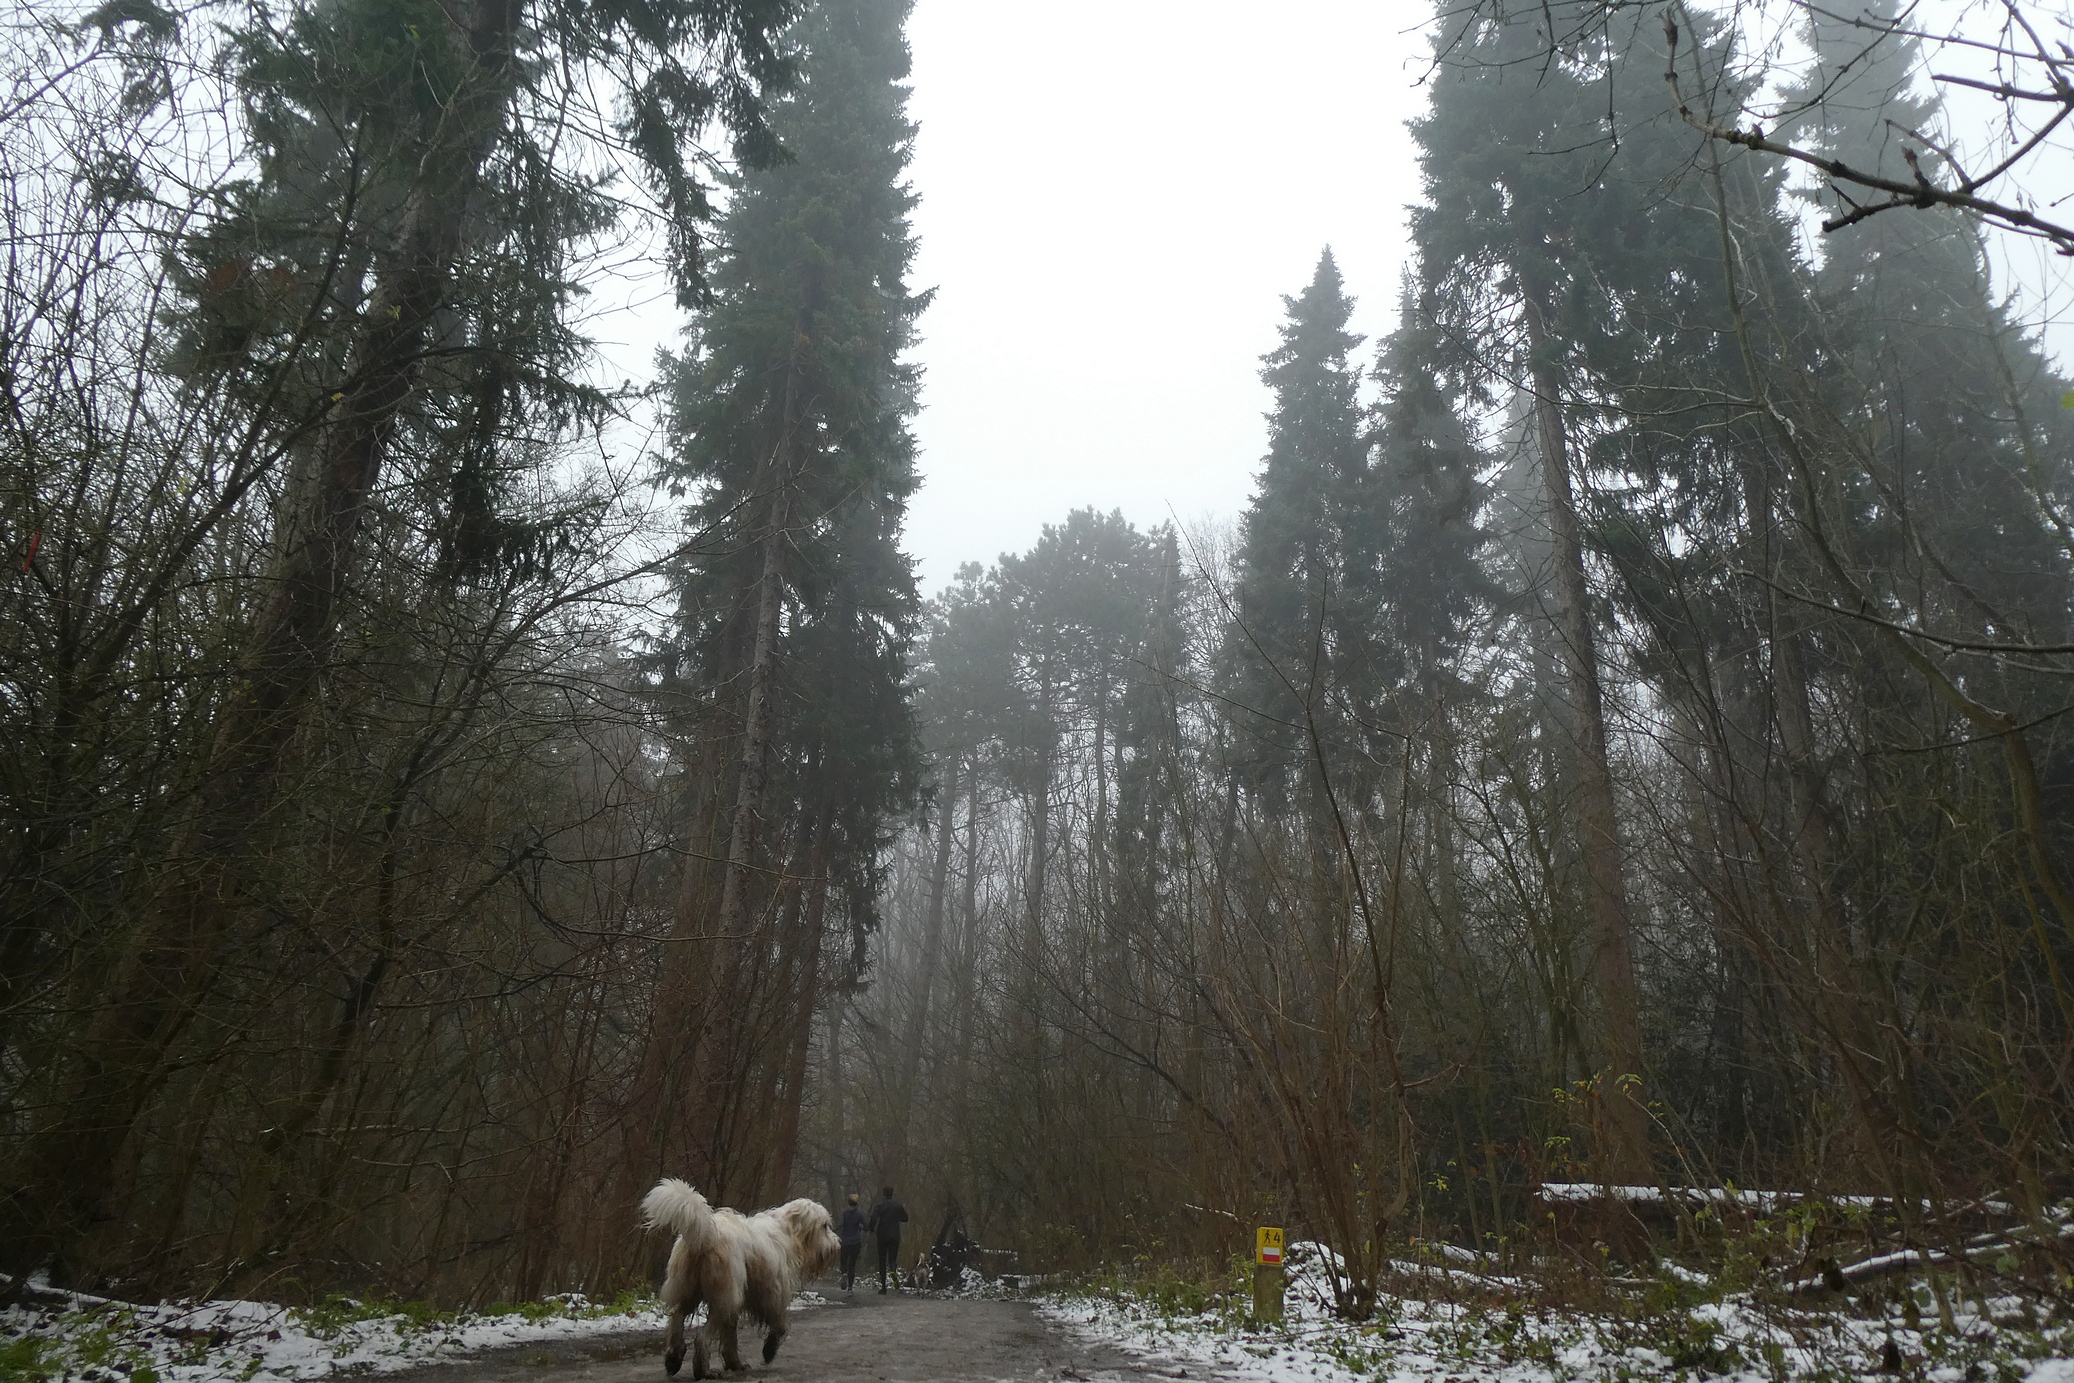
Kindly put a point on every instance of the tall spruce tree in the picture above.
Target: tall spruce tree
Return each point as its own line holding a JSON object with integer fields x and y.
{"x": 1546, "y": 261}
{"x": 1301, "y": 638}
{"x": 382, "y": 305}
{"x": 1964, "y": 437}
{"x": 1426, "y": 586}
{"x": 790, "y": 436}
{"x": 1426, "y": 498}
{"x": 1930, "y": 476}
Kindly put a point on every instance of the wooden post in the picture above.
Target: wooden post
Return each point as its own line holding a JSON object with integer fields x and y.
{"x": 1268, "y": 1280}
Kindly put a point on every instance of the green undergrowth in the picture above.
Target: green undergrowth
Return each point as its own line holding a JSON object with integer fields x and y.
{"x": 1201, "y": 1294}
{"x": 93, "y": 1345}
{"x": 97, "y": 1355}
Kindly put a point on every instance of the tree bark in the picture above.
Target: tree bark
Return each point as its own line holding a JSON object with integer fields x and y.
{"x": 967, "y": 1001}
{"x": 1040, "y": 855}
{"x": 715, "y": 1048}
{"x": 920, "y": 1002}
{"x": 807, "y": 991}
{"x": 73, "y": 1164}
{"x": 1625, "y": 1158}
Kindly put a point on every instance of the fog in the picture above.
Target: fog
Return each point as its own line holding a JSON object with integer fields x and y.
{"x": 1623, "y": 745}
{"x": 1114, "y": 200}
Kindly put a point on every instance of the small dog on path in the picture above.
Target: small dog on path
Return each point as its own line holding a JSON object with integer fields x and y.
{"x": 734, "y": 1263}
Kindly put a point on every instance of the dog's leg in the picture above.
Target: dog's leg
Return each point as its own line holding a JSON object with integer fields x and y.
{"x": 673, "y": 1341}
{"x": 731, "y": 1343}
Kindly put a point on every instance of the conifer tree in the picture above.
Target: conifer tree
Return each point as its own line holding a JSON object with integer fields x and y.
{"x": 1526, "y": 222}
{"x": 1965, "y": 439}
{"x": 1300, "y": 635}
{"x": 791, "y": 439}
{"x": 1077, "y": 601}
{"x": 381, "y": 305}
{"x": 1426, "y": 500}
{"x": 1931, "y": 477}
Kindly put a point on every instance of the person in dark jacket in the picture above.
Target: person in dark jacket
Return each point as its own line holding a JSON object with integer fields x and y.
{"x": 851, "y": 1233}
{"x": 886, "y": 1219}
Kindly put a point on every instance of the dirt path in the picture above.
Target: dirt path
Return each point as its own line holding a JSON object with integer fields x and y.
{"x": 868, "y": 1338}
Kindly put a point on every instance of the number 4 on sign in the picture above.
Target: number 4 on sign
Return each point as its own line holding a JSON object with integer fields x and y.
{"x": 1269, "y": 1247}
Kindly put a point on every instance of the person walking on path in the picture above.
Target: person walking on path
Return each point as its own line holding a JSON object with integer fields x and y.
{"x": 886, "y": 1218}
{"x": 851, "y": 1233}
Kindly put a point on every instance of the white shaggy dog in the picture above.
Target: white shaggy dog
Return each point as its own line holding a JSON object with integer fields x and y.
{"x": 734, "y": 1263}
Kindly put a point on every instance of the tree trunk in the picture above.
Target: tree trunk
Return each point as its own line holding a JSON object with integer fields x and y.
{"x": 806, "y": 990}
{"x": 715, "y": 1049}
{"x": 1040, "y": 856}
{"x": 1625, "y": 1158}
{"x": 920, "y": 1001}
{"x": 653, "y": 1121}
{"x": 73, "y": 1164}
{"x": 967, "y": 1000}
{"x": 746, "y": 832}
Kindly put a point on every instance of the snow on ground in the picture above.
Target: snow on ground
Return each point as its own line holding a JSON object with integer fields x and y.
{"x": 94, "y": 1340}
{"x": 1733, "y": 1338}
{"x": 1767, "y": 1201}
{"x": 104, "y": 1342}
{"x": 1450, "y": 1324}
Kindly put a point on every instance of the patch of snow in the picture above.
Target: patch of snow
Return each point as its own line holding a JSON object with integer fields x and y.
{"x": 1249, "y": 1357}
{"x": 1455, "y": 1253}
{"x": 1460, "y": 1277}
{"x": 974, "y": 1283}
{"x": 1441, "y": 1341}
{"x": 1560, "y": 1192}
{"x": 95, "y": 1338}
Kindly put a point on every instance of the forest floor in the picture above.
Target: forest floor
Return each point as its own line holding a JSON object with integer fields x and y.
{"x": 901, "y": 1337}
{"x": 1436, "y": 1324}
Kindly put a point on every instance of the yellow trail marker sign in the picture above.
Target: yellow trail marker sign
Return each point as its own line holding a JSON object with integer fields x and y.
{"x": 1267, "y": 1275}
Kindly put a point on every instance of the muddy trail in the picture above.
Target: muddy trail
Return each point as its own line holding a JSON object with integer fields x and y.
{"x": 867, "y": 1338}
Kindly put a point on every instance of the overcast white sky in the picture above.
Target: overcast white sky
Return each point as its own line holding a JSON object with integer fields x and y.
{"x": 1115, "y": 196}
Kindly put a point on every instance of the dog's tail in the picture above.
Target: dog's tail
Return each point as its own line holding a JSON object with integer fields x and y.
{"x": 674, "y": 1205}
